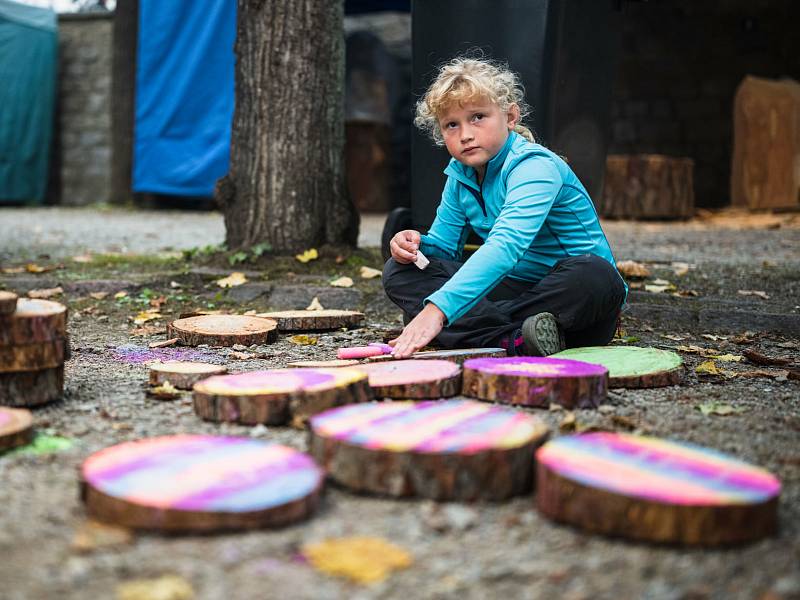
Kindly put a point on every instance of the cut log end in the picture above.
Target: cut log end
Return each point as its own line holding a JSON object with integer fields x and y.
{"x": 223, "y": 330}
{"x": 16, "y": 427}
{"x": 8, "y": 303}
{"x": 31, "y": 388}
{"x": 416, "y": 379}
{"x": 315, "y": 320}
{"x": 632, "y": 366}
{"x": 183, "y": 375}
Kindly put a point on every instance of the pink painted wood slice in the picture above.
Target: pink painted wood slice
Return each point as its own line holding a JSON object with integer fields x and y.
{"x": 413, "y": 378}
{"x": 16, "y": 427}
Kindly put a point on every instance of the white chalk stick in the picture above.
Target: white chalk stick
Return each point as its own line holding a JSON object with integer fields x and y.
{"x": 421, "y": 261}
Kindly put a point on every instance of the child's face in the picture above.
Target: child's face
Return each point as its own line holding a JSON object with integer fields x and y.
{"x": 476, "y": 131}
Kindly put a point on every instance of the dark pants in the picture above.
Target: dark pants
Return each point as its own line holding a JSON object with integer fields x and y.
{"x": 584, "y": 293}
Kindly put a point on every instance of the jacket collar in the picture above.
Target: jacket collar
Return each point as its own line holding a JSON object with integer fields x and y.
{"x": 468, "y": 176}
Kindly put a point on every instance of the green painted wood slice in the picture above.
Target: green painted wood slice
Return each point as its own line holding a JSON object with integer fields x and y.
{"x": 632, "y": 366}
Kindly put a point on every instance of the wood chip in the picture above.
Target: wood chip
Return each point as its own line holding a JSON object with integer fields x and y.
{"x": 164, "y": 344}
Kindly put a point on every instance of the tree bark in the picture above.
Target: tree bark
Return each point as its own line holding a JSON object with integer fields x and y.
{"x": 123, "y": 89}
{"x": 286, "y": 185}
{"x": 31, "y": 388}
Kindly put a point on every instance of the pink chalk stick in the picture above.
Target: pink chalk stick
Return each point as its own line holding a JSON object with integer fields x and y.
{"x": 359, "y": 352}
{"x": 387, "y": 349}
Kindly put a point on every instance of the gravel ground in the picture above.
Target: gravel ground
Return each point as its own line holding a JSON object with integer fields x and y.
{"x": 485, "y": 550}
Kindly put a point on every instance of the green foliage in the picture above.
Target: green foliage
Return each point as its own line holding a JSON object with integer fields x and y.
{"x": 237, "y": 257}
{"x": 260, "y": 249}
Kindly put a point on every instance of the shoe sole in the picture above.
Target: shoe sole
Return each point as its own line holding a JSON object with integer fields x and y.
{"x": 541, "y": 335}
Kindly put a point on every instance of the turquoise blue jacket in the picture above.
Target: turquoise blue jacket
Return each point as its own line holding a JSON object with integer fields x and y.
{"x": 530, "y": 210}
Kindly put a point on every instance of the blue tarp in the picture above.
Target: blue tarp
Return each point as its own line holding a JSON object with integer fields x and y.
{"x": 28, "y": 63}
{"x": 184, "y": 96}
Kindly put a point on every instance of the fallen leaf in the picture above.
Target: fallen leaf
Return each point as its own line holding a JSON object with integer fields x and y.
{"x": 692, "y": 349}
{"x": 92, "y": 535}
{"x": 568, "y": 422}
{"x": 145, "y": 316}
{"x": 628, "y": 339}
{"x": 303, "y": 340}
{"x": 158, "y": 302}
{"x": 630, "y": 268}
{"x": 713, "y": 408}
{"x": 120, "y": 295}
{"x": 729, "y": 357}
{"x": 714, "y": 338}
{"x": 46, "y": 293}
{"x": 44, "y": 443}
{"x": 680, "y": 268}
{"x": 13, "y": 270}
{"x": 241, "y": 355}
{"x": 361, "y": 559}
{"x": 342, "y": 282}
{"x": 674, "y": 338}
{"x": 34, "y": 268}
{"x": 760, "y": 294}
{"x": 686, "y": 294}
{"x": 370, "y": 273}
{"x": 166, "y": 587}
{"x": 165, "y": 391}
{"x": 707, "y": 368}
{"x": 658, "y": 289}
{"x": 98, "y": 295}
{"x": 148, "y": 330}
{"x": 82, "y": 258}
{"x": 762, "y": 359}
{"x": 310, "y": 254}
{"x": 315, "y": 305}
{"x": 764, "y": 373}
{"x": 231, "y": 280}
{"x": 662, "y": 282}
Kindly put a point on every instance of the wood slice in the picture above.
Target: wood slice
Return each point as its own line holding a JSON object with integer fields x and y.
{"x": 33, "y": 322}
{"x": 650, "y": 489}
{"x": 200, "y": 483}
{"x": 31, "y": 388}
{"x": 183, "y": 374}
{"x": 223, "y": 330}
{"x": 648, "y": 186}
{"x": 456, "y": 356}
{"x": 16, "y": 427}
{"x": 445, "y": 450}
{"x": 536, "y": 381}
{"x": 275, "y": 396}
{"x": 8, "y": 302}
{"x": 32, "y": 357}
{"x": 323, "y": 364}
{"x": 413, "y": 378}
{"x": 315, "y": 320}
{"x": 631, "y": 366}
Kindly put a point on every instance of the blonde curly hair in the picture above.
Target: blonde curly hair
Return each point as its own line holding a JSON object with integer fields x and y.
{"x": 465, "y": 79}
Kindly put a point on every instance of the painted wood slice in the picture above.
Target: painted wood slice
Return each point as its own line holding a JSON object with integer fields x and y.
{"x": 536, "y": 381}
{"x": 413, "y": 378}
{"x": 33, "y": 322}
{"x": 223, "y": 330}
{"x": 457, "y": 356}
{"x": 8, "y": 302}
{"x": 277, "y": 396}
{"x": 31, "y": 388}
{"x": 200, "y": 483}
{"x": 445, "y": 450}
{"x": 32, "y": 357}
{"x": 657, "y": 490}
{"x": 16, "y": 427}
{"x": 322, "y": 364}
{"x": 183, "y": 374}
{"x": 315, "y": 320}
{"x": 631, "y": 366}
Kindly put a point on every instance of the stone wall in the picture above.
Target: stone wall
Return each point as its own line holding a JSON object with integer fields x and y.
{"x": 82, "y": 142}
{"x": 680, "y": 65}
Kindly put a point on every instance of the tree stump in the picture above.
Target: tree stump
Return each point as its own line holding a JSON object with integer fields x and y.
{"x": 535, "y": 381}
{"x": 200, "y": 483}
{"x": 323, "y": 364}
{"x": 34, "y": 321}
{"x": 456, "y": 356}
{"x": 445, "y": 450}
{"x": 223, "y": 330}
{"x": 631, "y": 366}
{"x": 413, "y": 379}
{"x": 649, "y": 489}
{"x": 276, "y": 396}
{"x": 31, "y": 388}
{"x": 183, "y": 374}
{"x": 766, "y": 144}
{"x": 16, "y": 427}
{"x": 315, "y": 320}
{"x": 8, "y": 303}
{"x": 648, "y": 186}
{"x": 32, "y": 357}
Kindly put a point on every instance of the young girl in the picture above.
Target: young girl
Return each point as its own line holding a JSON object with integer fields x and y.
{"x": 544, "y": 278}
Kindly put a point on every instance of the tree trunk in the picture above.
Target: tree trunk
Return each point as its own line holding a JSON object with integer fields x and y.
{"x": 123, "y": 88}
{"x": 286, "y": 185}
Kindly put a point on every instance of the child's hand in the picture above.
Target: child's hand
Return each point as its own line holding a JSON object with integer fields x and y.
{"x": 404, "y": 246}
{"x": 419, "y": 332}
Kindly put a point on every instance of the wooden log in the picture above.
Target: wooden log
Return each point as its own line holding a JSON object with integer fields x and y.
{"x": 223, "y": 330}
{"x": 31, "y": 388}
{"x": 200, "y": 483}
{"x": 536, "y": 381}
{"x": 766, "y": 144}
{"x": 413, "y": 378}
{"x": 276, "y": 396}
{"x": 183, "y": 374}
{"x": 458, "y": 356}
{"x": 632, "y": 366}
{"x": 315, "y": 320}
{"x": 444, "y": 450}
{"x": 34, "y": 321}
{"x": 322, "y": 364}
{"x": 648, "y": 186}
{"x": 16, "y": 427}
{"x": 33, "y": 357}
{"x": 650, "y": 489}
{"x": 8, "y": 302}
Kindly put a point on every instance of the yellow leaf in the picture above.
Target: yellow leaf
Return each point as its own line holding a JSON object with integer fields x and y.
{"x": 145, "y": 316}
{"x": 98, "y": 295}
{"x": 13, "y": 270}
{"x": 360, "y": 559}
{"x": 315, "y": 305}
{"x": 34, "y": 268}
{"x": 342, "y": 282}
{"x": 232, "y": 280}
{"x": 631, "y": 268}
{"x": 119, "y": 295}
{"x": 310, "y": 254}
{"x": 657, "y": 289}
{"x": 166, "y": 587}
{"x": 370, "y": 273}
{"x": 303, "y": 340}
{"x": 729, "y": 358}
{"x": 707, "y": 368}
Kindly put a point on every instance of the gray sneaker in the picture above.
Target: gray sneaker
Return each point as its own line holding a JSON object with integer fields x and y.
{"x": 542, "y": 335}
